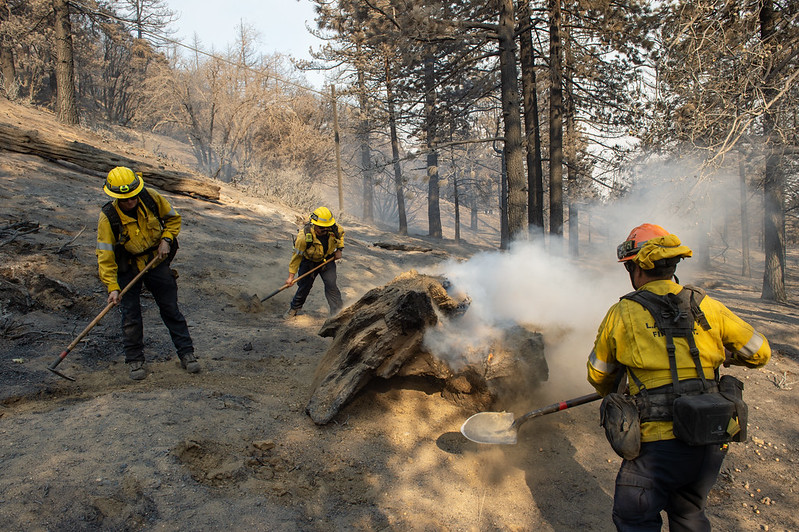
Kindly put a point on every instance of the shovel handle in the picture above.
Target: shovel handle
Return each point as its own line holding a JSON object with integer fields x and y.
{"x": 557, "y": 407}
{"x": 102, "y": 313}
{"x": 309, "y": 272}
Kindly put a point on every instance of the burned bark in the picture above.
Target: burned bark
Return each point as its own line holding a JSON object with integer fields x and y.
{"x": 401, "y": 247}
{"x": 65, "y": 64}
{"x": 382, "y": 335}
{"x": 56, "y": 148}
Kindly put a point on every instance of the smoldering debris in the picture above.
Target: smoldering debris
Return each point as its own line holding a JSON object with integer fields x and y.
{"x": 382, "y": 336}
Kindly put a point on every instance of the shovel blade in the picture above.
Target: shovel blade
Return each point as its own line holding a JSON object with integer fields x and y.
{"x": 490, "y": 427}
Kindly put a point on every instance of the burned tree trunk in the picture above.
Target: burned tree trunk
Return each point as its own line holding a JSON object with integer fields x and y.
{"x": 65, "y": 64}
{"x": 382, "y": 335}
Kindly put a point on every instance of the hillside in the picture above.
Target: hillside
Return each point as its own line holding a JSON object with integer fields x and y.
{"x": 232, "y": 448}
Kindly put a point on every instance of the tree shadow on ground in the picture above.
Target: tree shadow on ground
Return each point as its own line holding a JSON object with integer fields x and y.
{"x": 568, "y": 494}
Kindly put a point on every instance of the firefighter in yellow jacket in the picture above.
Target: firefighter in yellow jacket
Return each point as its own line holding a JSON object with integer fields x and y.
{"x": 319, "y": 240}
{"x": 134, "y": 228}
{"x": 667, "y": 474}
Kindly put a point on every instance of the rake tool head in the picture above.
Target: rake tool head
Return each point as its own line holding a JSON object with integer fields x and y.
{"x": 61, "y": 374}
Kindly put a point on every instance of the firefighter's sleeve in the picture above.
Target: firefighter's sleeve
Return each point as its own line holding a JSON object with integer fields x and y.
{"x": 748, "y": 347}
{"x": 296, "y": 255}
{"x": 602, "y": 365}
{"x": 106, "y": 260}
{"x": 171, "y": 218}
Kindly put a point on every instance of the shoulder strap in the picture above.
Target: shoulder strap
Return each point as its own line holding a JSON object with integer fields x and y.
{"x": 149, "y": 202}
{"x": 116, "y": 222}
{"x": 674, "y": 316}
{"x": 697, "y": 296}
{"x": 113, "y": 219}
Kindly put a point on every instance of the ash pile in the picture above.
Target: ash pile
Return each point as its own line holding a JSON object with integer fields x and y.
{"x": 383, "y": 336}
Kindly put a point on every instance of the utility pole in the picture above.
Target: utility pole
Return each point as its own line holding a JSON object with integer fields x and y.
{"x": 338, "y": 152}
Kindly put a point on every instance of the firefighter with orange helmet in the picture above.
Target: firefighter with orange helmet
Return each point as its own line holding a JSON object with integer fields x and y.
{"x": 319, "y": 240}
{"x": 136, "y": 227}
{"x": 668, "y": 467}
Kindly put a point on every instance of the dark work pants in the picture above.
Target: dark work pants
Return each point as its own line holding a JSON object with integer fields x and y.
{"x": 668, "y": 475}
{"x": 328, "y": 275}
{"x": 162, "y": 285}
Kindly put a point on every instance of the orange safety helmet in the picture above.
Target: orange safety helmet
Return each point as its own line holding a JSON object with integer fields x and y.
{"x": 639, "y": 236}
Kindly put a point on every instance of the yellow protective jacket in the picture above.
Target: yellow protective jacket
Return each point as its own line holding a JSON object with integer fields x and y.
{"x": 629, "y": 338}
{"x": 313, "y": 250}
{"x": 139, "y": 235}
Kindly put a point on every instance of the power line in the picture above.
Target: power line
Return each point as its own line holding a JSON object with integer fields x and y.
{"x": 163, "y": 38}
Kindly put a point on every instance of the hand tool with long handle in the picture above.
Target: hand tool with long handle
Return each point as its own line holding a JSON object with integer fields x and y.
{"x": 94, "y": 322}
{"x": 309, "y": 272}
{"x": 499, "y": 427}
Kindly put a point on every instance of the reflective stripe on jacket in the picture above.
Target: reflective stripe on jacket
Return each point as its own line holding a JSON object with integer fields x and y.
{"x": 313, "y": 250}
{"x": 142, "y": 233}
{"x": 628, "y": 337}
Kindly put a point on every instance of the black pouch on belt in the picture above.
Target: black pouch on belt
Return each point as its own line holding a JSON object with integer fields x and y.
{"x": 123, "y": 258}
{"x": 733, "y": 390}
{"x": 703, "y": 418}
{"x": 619, "y": 415}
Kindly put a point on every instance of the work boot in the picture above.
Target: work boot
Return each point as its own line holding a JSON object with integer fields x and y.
{"x": 290, "y": 313}
{"x": 189, "y": 363}
{"x": 137, "y": 371}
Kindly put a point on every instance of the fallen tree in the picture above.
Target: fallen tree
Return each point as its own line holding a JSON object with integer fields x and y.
{"x": 382, "y": 336}
{"x": 401, "y": 247}
{"x": 55, "y": 148}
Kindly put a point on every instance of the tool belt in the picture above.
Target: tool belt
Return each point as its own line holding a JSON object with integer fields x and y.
{"x": 657, "y": 404}
{"x": 125, "y": 259}
{"x": 703, "y": 412}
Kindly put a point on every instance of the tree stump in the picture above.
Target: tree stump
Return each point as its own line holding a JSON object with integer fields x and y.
{"x": 382, "y": 335}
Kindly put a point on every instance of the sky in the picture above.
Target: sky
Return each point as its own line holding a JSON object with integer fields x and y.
{"x": 281, "y": 25}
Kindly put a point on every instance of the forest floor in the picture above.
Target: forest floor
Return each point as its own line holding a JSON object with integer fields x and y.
{"x": 232, "y": 448}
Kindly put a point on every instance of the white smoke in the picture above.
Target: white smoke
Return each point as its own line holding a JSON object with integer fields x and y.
{"x": 566, "y": 299}
{"x": 562, "y": 299}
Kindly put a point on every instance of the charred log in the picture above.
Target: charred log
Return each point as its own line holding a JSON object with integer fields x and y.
{"x": 55, "y": 148}
{"x": 401, "y": 247}
{"x": 382, "y": 335}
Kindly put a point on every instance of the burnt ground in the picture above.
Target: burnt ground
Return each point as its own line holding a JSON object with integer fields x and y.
{"x": 232, "y": 447}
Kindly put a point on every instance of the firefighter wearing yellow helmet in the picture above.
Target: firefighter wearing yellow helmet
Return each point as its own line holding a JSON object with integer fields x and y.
{"x": 136, "y": 227}
{"x": 320, "y": 240}
{"x": 668, "y": 341}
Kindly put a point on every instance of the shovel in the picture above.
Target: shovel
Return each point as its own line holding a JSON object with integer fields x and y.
{"x": 309, "y": 272}
{"x": 500, "y": 428}
{"x": 94, "y": 322}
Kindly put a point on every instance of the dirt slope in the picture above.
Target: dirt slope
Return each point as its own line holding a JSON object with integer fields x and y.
{"x": 232, "y": 447}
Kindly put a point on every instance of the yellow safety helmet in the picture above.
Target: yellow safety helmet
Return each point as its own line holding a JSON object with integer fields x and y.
{"x": 123, "y": 183}
{"x": 323, "y": 217}
{"x": 649, "y": 243}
